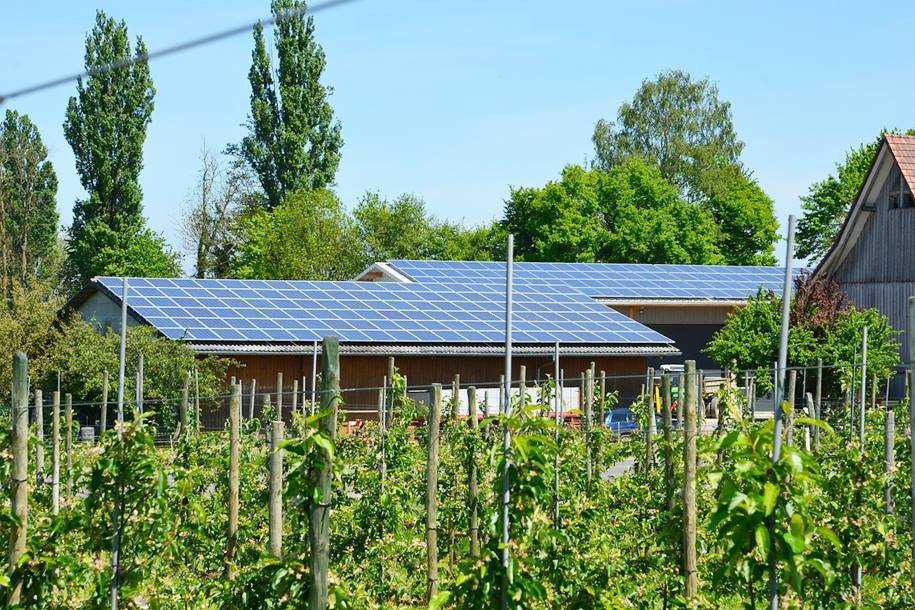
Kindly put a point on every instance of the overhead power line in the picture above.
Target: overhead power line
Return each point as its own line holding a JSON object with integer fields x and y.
{"x": 178, "y": 48}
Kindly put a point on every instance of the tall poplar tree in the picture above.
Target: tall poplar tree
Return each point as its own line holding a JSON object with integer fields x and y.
{"x": 28, "y": 202}
{"x": 293, "y": 141}
{"x": 106, "y": 127}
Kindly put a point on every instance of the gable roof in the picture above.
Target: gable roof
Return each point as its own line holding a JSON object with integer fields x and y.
{"x": 894, "y": 149}
{"x": 247, "y": 316}
{"x": 608, "y": 283}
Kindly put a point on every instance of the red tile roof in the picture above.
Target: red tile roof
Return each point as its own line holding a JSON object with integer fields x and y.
{"x": 903, "y": 149}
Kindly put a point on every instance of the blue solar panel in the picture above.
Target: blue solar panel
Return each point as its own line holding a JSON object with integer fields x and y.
{"x": 609, "y": 280}
{"x": 370, "y": 312}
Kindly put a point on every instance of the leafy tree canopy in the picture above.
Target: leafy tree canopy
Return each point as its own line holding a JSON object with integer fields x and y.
{"x": 630, "y": 214}
{"x": 308, "y": 237}
{"x": 106, "y": 127}
{"x": 28, "y": 203}
{"x": 293, "y": 141}
{"x": 827, "y": 203}
{"x": 677, "y": 124}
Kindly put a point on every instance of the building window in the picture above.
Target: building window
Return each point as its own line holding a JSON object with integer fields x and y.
{"x": 899, "y": 194}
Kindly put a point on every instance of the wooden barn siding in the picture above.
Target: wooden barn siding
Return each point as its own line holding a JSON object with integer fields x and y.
{"x": 367, "y": 372}
{"x": 877, "y": 272}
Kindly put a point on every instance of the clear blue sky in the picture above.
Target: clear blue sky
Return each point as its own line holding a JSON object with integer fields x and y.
{"x": 458, "y": 101}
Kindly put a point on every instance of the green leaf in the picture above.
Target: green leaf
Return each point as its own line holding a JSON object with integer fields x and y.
{"x": 770, "y": 495}
{"x": 762, "y": 540}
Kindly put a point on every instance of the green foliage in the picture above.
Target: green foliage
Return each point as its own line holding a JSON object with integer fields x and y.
{"x": 746, "y": 219}
{"x": 404, "y": 228}
{"x": 106, "y": 127}
{"x": 308, "y": 237}
{"x": 293, "y": 142}
{"x": 27, "y": 324}
{"x": 678, "y": 125}
{"x": 631, "y": 214}
{"x": 28, "y": 203}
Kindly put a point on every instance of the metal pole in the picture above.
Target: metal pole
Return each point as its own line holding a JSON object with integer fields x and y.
{"x": 506, "y": 441}
{"x": 115, "y": 518}
{"x": 314, "y": 375}
{"x": 777, "y": 434}
{"x": 557, "y": 394}
{"x": 862, "y": 398}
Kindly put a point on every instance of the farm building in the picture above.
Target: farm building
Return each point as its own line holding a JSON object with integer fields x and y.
{"x": 434, "y": 329}
{"x": 868, "y": 258}
{"x": 686, "y": 303}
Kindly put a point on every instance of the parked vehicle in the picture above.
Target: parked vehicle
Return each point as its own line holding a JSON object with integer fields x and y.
{"x": 621, "y": 420}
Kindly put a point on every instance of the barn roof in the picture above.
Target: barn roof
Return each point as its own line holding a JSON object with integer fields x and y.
{"x": 895, "y": 148}
{"x": 608, "y": 283}
{"x": 265, "y": 316}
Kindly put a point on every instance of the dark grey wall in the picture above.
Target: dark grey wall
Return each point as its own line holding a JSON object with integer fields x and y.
{"x": 689, "y": 339}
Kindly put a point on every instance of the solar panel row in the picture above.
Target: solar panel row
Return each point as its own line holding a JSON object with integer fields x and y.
{"x": 366, "y": 312}
{"x": 611, "y": 280}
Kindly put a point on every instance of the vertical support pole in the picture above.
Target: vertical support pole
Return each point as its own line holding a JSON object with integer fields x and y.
{"x": 319, "y": 517}
{"x": 456, "y": 398}
{"x": 104, "y": 413}
{"x": 140, "y": 378}
{"x": 196, "y": 399}
{"x": 234, "y": 458}
{"x": 522, "y": 386}
{"x": 39, "y": 446}
{"x": 68, "y": 441}
{"x": 557, "y": 413}
{"x": 910, "y": 340}
{"x": 182, "y": 406}
{"x": 652, "y": 421}
{"x": 295, "y": 395}
{"x": 55, "y": 452}
{"x": 314, "y": 377}
{"x": 276, "y": 490}
{"x": 603, "y": 398}
{"x": 382, "y": 465}
{"x": 390, "y": 414}
{"x": 681, "y": 398}
{"x": 689, "y": 482}
{"x": 818, "y": 404}
{"x": 115, "y": 512}
{"x": 589, "y": 399}
{"x": 251, "y": 401}
{"x": 501, "y": 394}
{"x": 19, "y": 484}
{"x": 780, "y": 392}
{"x": 889, "y": 456}
{"x": 279, "y": 396}
{"x": 473, "y": 494}
{"x": 863, "y": 396}
{"x": 789, "y": 398}
{"x": 432, "y": 493}
{"x": 668, "y": 440}
{"x": 506, "y": 438}
{"x": 701, "y": 396}
{"x": 304, "y": 395}
{"x": 753, "y": 399}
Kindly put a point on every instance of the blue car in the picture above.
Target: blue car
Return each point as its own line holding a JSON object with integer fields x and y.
{"x": 621, "y": 420}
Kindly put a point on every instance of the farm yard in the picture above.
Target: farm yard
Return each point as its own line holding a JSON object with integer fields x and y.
{"x": 527, "y": 334}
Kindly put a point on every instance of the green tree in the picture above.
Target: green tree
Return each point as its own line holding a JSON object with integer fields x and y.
{"x": 745, "y": 217}
{"x": 106, "y": 127}
{"x": 293, "y": 141}
{"x": 827, "y": 203}
{"x": 308, "y": 237}
{"x": 677, "y": 124}
{"x": 28, "y": 203}
{"x": 631, "y": 214}
{"x": 395, "y": 229}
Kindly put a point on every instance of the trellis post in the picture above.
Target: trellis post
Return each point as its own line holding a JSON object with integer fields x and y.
{"x": 276, "y": 490}
{"x": 234, "y": 458}
{"x": 19, "y": 484}
{"x": 689, "y": 482}
{"x": 39, "y": 446}
{"x": 432, "y": 493}
{"x": 55, "y": 452}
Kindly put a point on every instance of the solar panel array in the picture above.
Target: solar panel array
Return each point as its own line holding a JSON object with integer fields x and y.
{"x": 369, "y": 312}
{"x": 611, "y": 280}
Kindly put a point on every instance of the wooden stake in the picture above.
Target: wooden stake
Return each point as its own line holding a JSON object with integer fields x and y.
{"x": 603, "y": 398}
{"x": 889, "y": 455}
{"x": 681, "y": 398}
{"x": 473, "y": 493}
{"x": 689, "y": 482}
{"x": 279, "y": 396}
{"x": 522, "y": 386}
{"x": 39, "y": 446}
{"x": 432, "y": 494}
{"x": 589, "y": 398}
{"x": 295, "y": 395}
{"x": 182, "y": 406}
{"x": 455, "y": 398}
{"x": 276, "y": 490}
{"x": 234, "y": 434}
{"x": 19, "y": 479}
{"x": 322, "y": 473}
{"x": 68, "y": 441}
{"x": 196, "y": 400}
{"x": 789, "y": 427}
{"x": 390, "y": 400}
{"x": 652, "y": 421}
{"x": 55, "y": 452}
{"x": 104, "y": 413}
{"x": 251, "y": 401}
{"x": 668, "y": 440}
